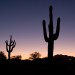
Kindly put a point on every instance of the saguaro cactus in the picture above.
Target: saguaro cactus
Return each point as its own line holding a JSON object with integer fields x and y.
{"x": 10, "y": 46}
{"x": 52, "y": 36}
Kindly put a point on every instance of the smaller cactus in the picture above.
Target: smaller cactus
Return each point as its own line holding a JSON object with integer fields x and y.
{"x": 10, "y": 46}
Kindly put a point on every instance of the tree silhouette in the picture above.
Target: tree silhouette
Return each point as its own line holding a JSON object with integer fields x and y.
{"x": 10, "y": 46}
{"x": 18, "y": 57}
{"x": 35, "y": 55}
{"x": 2, "y": 55}
{"x": 52, "y": 36}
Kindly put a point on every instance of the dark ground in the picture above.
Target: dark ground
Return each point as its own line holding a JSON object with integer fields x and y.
{"x": 63, "y": 66}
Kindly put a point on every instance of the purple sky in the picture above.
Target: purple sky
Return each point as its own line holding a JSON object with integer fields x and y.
{"x": 23, "y": 20}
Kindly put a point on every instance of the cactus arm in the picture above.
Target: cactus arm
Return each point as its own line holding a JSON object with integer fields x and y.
{"x": 57, "y": 29}
{"x": 44, "y": 31}
{"x": 10, "y": 39}
{"x": 13, "y": 45}
{"x": 7, "y": 48}
{"x": 6, "y": 45}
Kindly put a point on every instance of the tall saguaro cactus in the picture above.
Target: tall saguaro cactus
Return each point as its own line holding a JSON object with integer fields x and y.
{"x": 10, "y": 46}
{"x": 52, "y": 36}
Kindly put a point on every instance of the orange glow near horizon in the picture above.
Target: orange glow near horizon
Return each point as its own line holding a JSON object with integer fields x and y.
{"x": 40, "y": 46}
{"x": 43, "y": 52}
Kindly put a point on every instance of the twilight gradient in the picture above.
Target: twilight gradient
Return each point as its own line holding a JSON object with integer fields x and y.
{"x": 23, "y": 20}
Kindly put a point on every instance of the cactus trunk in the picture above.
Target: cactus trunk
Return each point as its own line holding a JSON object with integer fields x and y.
{"x": 50, "y": 50}
{"x": 8, "y": 55}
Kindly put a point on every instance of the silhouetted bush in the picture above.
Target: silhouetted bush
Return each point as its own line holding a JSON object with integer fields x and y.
{"x": 18, "y": 57}
{"x": 61, "y": 59}
{"x": 34, "y": 55}
{"x": 2, "y": 55}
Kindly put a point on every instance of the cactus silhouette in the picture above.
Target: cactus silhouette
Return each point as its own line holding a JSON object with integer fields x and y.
{"x": 10, "y": 46}
{"x": 52, "y": 36}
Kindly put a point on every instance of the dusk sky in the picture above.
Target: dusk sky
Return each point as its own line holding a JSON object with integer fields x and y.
{"x": 23, "y": 20}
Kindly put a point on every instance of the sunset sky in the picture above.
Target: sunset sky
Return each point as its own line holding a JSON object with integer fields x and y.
{"x": 23, "y": 20}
